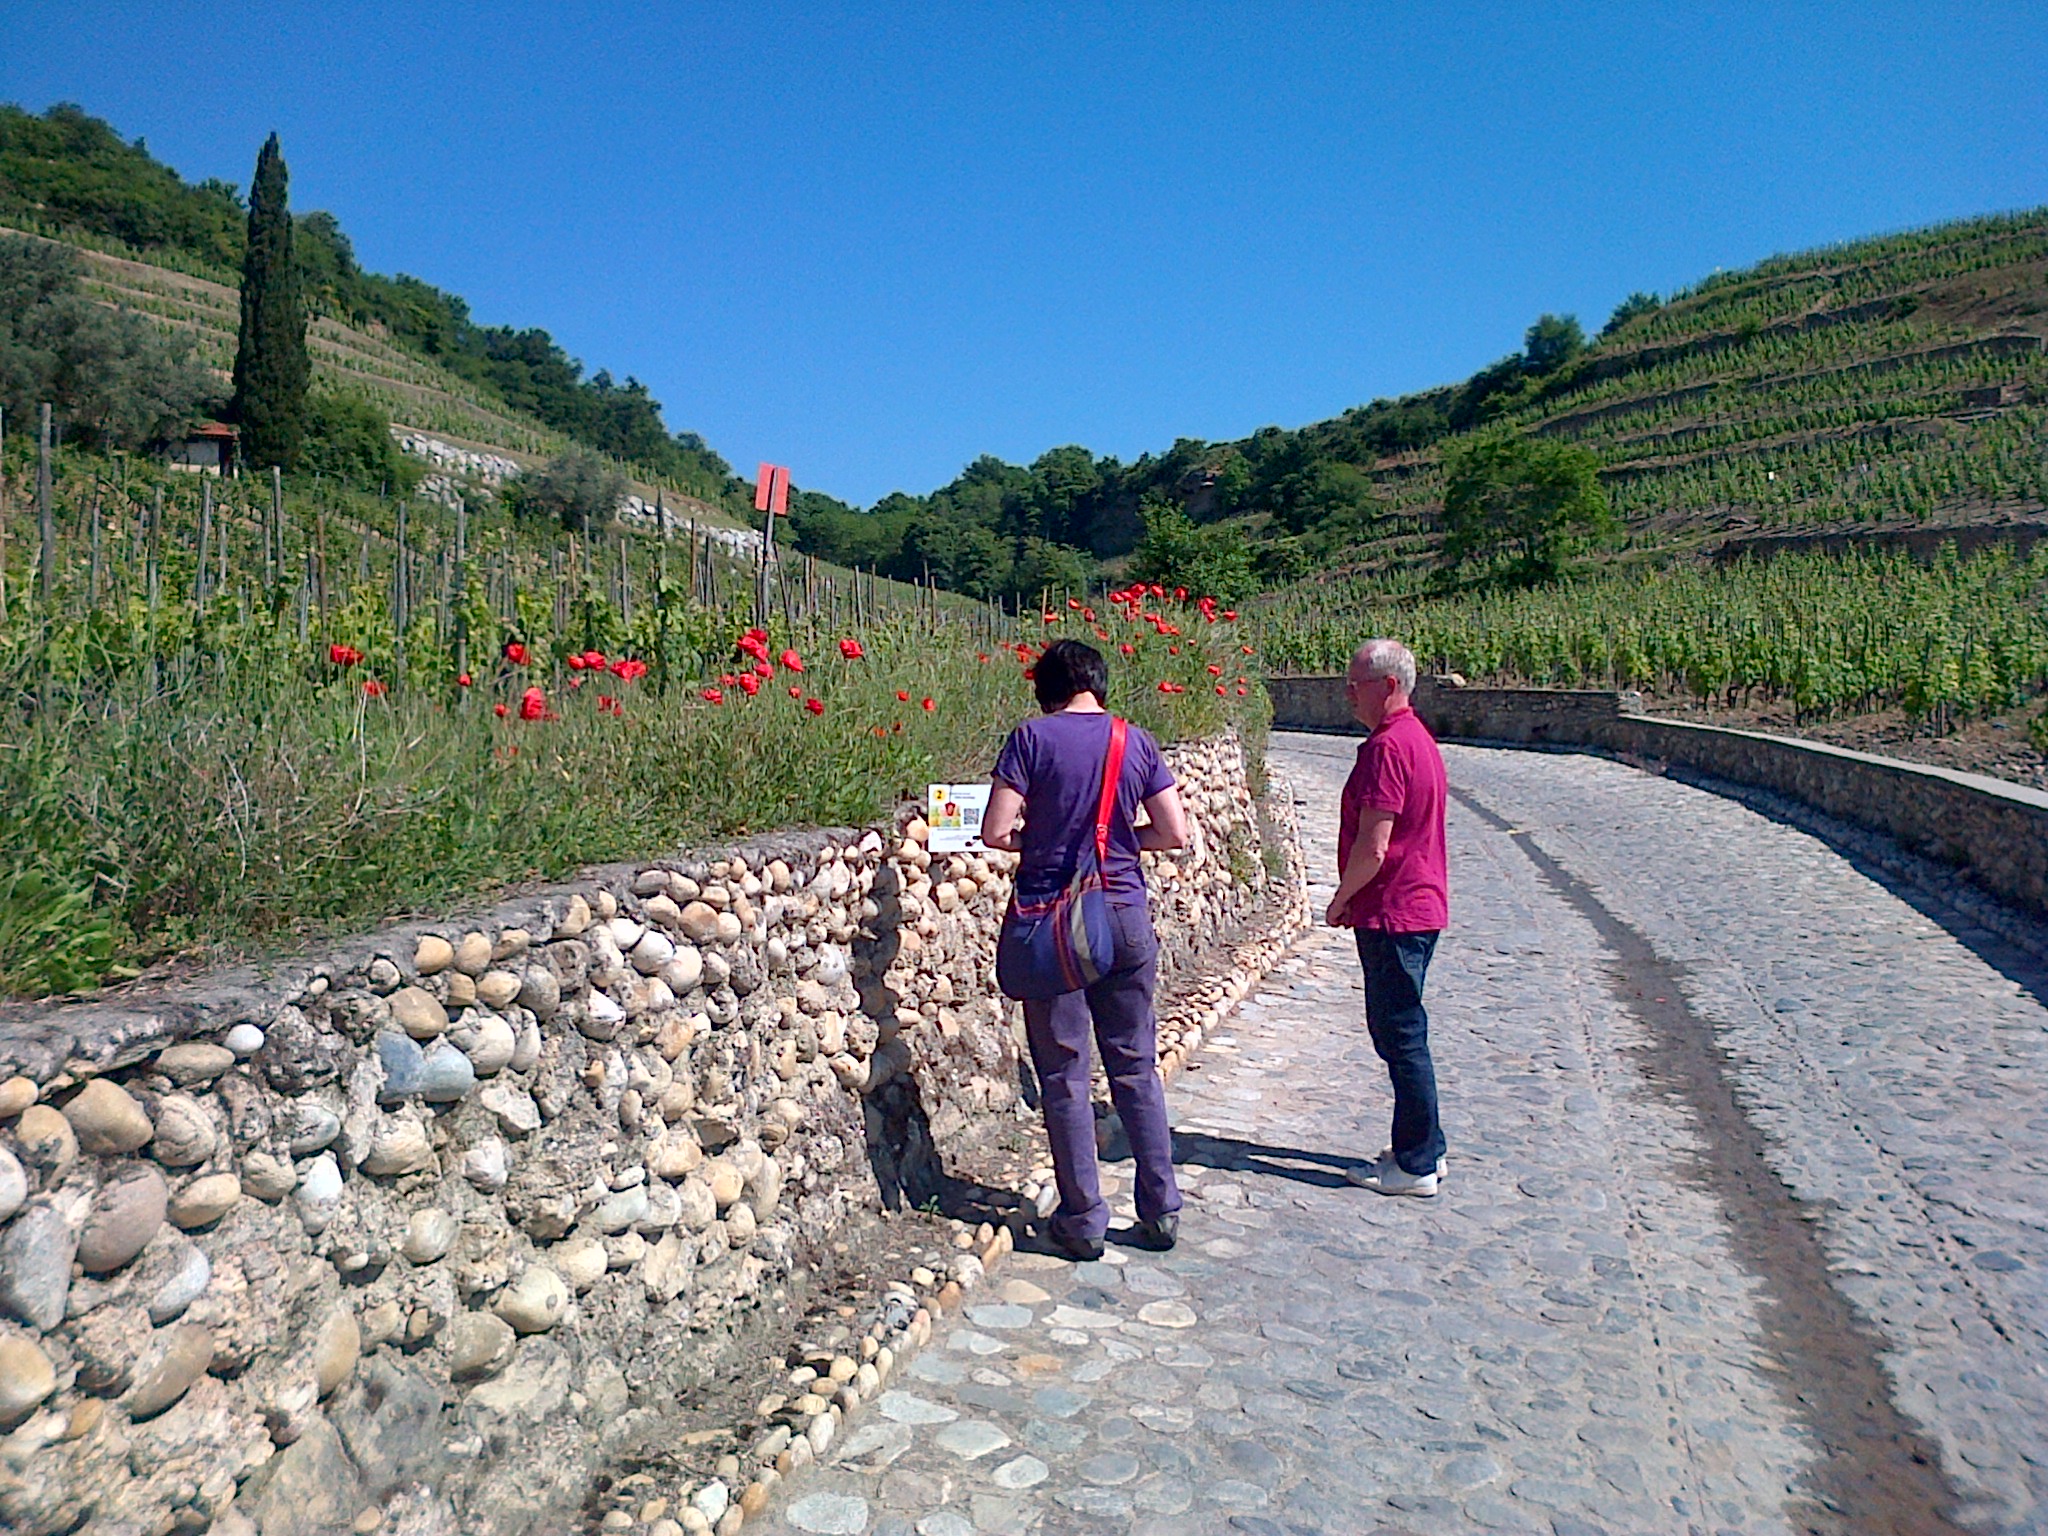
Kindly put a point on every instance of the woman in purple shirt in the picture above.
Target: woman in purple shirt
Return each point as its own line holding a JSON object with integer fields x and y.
{"x": 1050, "y": 772}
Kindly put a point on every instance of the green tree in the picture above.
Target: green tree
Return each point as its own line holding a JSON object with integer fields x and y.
{"x": 960, "y": 556}
{"x": 348, "y": 439}
{"x": 1043, "y": 566}
{"x": 272, "y": 370}
{"x": 1638, "y": 303}
{"x": 578, "y": 489}
{"x": 1551, "y": 342}
{"x": 113, "y": 378}
{"x": 1213, "y": 560}
{"x": 1526, "y": 502}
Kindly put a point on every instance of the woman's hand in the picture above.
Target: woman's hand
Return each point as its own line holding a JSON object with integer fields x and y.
{"x": 1168, "y": 827}
{"x": 1002, "y": 821}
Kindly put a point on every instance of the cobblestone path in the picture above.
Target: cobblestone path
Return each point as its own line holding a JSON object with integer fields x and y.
{"x": 1745, "y": 1226}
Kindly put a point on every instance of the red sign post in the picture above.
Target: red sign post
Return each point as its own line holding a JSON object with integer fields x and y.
{"x": 771, "y": 496}
{"x": 771, "y": 490}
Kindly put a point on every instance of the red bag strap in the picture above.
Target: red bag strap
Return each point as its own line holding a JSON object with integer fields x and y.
{"x": 1112, "y": 773}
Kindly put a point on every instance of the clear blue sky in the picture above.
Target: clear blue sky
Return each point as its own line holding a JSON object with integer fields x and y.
{"x": 873, "y": 244}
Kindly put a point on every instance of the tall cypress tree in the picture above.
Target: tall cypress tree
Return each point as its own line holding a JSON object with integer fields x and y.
{"x": 272, "y": 369}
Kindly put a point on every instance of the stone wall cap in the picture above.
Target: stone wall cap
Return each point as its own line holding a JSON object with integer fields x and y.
{"x": 1979, "y": 783}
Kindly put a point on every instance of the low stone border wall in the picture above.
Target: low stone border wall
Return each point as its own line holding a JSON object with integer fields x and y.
{"x": 439, "y": 1229}
{"x": 1995, "y": 831}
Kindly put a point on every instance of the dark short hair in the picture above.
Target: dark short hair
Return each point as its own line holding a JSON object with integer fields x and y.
{"x": 1069, "y": 667}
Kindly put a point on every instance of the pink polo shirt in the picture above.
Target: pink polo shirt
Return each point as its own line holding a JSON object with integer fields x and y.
{"x": 1400, "y": 770}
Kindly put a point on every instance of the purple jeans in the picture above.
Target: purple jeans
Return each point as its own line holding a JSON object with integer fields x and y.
{"x": 1119, "y": 1007}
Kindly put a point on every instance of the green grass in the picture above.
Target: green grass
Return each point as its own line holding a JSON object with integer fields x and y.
{"x": 184, "y": 777}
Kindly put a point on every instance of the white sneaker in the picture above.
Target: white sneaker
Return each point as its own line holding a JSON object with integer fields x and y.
{"x": 1369, "y": 1178}
{"x": 1392, "y": 1179}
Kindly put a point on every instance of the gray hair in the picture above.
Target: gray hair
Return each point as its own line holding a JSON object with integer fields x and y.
{"x": 1386, "y": 658}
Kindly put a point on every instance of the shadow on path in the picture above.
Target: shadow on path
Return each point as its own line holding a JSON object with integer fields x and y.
{"x": 1325, "y": 1170}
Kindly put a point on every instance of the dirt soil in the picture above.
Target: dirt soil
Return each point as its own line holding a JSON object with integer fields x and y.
{"x": 1998, "y": 747}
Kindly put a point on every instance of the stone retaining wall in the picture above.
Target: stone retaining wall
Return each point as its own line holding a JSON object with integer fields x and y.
{"x": 441, "y": 1225}
{"x": 1995, "y": 831}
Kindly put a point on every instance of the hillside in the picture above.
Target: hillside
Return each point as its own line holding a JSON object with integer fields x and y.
{"x": 169, "y": 249}
{"x": 1885, "y": 385}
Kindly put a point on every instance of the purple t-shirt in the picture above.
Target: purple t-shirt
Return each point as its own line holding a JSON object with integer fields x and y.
{"x": 1055, "y": 762}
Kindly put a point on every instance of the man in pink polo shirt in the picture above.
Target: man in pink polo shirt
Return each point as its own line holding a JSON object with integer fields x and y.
{"x": 1394, "y": 892}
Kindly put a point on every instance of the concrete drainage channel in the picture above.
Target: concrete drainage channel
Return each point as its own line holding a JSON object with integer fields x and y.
{"x": 1874, "y": 1471}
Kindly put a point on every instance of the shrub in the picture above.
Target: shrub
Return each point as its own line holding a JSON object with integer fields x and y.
{"x": 578, "y": 489}
{"x": 349, "y": 440}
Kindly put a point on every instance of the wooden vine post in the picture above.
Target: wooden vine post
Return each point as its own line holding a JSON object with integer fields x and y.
{"x": 46, "y": 512}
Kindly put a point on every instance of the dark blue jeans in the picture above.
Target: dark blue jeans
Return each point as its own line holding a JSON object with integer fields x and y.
{"x": 1117, "y": 1010}
{"x": 1395, "y": 965}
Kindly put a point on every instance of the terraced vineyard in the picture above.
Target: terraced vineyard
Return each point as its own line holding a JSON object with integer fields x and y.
{"x": 411, "y": 390}
{"x": 1891, "y": 384}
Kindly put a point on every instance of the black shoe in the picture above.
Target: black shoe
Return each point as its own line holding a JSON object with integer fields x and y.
{"x": 1082, "y": 1250}
{"x": 1159, "y": 1235}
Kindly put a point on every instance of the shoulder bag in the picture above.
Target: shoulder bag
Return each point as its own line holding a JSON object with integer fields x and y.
{"x": 1047, "y": 948}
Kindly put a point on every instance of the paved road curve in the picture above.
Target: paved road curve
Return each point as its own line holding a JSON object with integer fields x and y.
{"x": 1746, "y": 1227}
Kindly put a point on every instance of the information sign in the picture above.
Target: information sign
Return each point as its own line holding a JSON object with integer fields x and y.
{"x": 954, "y": 812}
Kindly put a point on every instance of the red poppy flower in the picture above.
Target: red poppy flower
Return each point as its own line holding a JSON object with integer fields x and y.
{"x": 575, "y": 682}
{"x": 1102, "y": 634}
{"x": 1052, "y": 618}
{"x": 604, "y": 701}
{"x": 791, "y": 661}
{"x": 1074, "y": 603}
{"x": 1240, "y": 693}
{"x": 462, "y": 680}
{"x": 1030, "y": 673}
{"x": 628, "y": 669}
{"x": 1088, "y": 614}
{"x": 749, "y": 684}
{"x": 1164, "y": 686}
{"x": 1180, "y": 594}
{"x": 575, "y": 663}
{"x": 1230, "y": 615}
{"x": 982, "y": 657}
{"x": 500, "y": 711}
{"x": 1219, "y": 688}
{"x": 795, "y": 692}
{"x": 1246, "y": 649}
{"x": 344, "y": 655}
{"x": 763, "y": 669}
{"x": 728, "y": 678}
{"x": 1173, "y": 650}
{"x": 1156, "y": 590}
{"x": 851, "y": 650}
{"x": 881, "y": 731}
{"x": 593, "y": 661}
{"x": 712, "y": 696}
{"x": 517, "y": 653}
{"x": 929, "y": 706}
{"x": 1128, "y": 649}
{"x": 815, "y": 706}
{"x": 902, "y": 696}
{"x": 1214, "y": 670}
{"x": 373, "y": 688}
{"x": 532, "y": 704}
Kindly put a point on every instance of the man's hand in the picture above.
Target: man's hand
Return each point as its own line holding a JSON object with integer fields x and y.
{"x": 1335, "y": 915}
